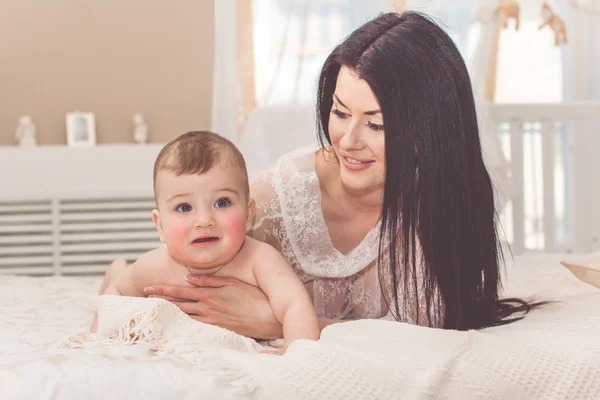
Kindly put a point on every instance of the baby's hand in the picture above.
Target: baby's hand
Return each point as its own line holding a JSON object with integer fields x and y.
{"x": 277, "y": 352}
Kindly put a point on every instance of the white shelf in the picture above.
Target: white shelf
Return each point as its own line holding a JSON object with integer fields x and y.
{"x": 48, "y": 172}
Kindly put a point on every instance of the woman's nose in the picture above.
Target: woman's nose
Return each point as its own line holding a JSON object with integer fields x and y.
{"x": 352, "y": 136}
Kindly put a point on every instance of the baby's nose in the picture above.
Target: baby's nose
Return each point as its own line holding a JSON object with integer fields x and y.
{"x": 204, "y": 220}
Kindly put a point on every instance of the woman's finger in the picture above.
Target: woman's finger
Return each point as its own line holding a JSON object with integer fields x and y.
{"x": 176, "y": 292}
{"x": 168, "y": 298}
{"x": 191, "y": 308}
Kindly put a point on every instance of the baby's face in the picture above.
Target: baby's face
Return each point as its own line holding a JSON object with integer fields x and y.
{"x": 202, "y": 219}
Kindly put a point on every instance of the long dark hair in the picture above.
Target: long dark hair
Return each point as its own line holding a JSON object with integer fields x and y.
{"x": 438, "y": 204}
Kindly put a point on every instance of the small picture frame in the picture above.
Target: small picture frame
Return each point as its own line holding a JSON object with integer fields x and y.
{"x": 81, "y": 129}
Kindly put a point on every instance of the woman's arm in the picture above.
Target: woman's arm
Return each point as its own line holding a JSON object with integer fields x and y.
{"x": 225, "y": 302}
{"x": 228, "y": 303}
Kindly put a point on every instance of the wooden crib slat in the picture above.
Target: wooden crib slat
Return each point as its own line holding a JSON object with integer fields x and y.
{"x": 518, "y": 208}
{"x": 548, "y": 185}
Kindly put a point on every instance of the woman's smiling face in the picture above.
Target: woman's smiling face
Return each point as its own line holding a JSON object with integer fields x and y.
{"x": 357, "y": 134}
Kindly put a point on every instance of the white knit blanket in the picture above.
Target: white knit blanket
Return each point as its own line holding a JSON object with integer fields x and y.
{"x": 553, "y": 354}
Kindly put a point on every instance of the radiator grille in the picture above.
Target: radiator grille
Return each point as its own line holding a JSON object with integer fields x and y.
{"x": 74, "y": 236}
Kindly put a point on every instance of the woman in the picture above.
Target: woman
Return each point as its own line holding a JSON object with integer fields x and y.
{"x": 394, "y": 216}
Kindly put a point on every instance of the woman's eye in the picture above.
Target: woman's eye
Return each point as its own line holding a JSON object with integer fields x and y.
{"x": 183, "y": 208}
{"x": 222, "y": 203}
{"x": 339, "y": 114}
{"x": 375, "y": 127}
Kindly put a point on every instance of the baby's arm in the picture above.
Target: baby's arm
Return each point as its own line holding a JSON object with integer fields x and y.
{"x": 131, "y": 282}
{"x": 136, "y": 277}
{"x": 289, "y": 299}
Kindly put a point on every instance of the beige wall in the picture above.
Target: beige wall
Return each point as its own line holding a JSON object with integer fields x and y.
{"x": 110, "y": 57}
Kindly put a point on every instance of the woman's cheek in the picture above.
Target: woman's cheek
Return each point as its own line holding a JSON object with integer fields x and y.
{"x": 335, "y": 128}
{"x": 380, "y": 148}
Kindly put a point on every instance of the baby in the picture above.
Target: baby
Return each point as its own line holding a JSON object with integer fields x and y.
{"x": 203, "y": 212}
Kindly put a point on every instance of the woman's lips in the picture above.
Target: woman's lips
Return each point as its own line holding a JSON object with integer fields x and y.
{"x": 356, "y": 165}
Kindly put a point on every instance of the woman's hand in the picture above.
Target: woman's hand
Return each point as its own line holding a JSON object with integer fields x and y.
{"x": 225, "y": 302}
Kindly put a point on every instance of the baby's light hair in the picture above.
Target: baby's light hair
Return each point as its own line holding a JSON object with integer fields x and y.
{"x": 196, "y": 152}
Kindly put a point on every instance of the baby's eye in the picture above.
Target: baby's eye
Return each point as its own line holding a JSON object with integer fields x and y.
{"x": 223, "y": 202}
{"x": 183, "y": 208}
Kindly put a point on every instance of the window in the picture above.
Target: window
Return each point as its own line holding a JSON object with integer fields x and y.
{"x": 529, "y": 68}
{"x": 293, "y": 38}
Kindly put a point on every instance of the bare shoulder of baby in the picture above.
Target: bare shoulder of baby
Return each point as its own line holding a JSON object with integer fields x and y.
{"x": 158, "y": 267}
{"x": 241, "y": 267}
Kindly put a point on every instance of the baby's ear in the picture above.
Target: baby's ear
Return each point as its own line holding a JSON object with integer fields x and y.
{"x": 158, "y": 225}
{"x": 250, "y": 215}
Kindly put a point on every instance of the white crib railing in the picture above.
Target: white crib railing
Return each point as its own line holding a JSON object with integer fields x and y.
{"x": 72, "y": 211}
{"x": 554, "y": 152}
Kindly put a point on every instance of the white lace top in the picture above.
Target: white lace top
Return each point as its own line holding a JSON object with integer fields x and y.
{"x": 290, "y": 218}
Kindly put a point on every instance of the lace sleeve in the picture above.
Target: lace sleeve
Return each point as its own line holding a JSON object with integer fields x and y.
{"x": 266, "y": 226}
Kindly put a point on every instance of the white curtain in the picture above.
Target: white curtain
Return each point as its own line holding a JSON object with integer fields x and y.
{"x": 581, "y": 57}
{"x": 292, "y": 38}
{"x": 224, "y": 103}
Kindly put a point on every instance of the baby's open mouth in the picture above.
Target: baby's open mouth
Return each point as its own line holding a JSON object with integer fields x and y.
{"x": 206, "y": 239}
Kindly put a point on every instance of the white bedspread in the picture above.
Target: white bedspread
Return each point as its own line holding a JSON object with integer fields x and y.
{"x": 553, "y": 353}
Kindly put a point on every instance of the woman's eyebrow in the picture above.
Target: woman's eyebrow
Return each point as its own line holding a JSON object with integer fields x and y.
{"x": 335, "y": 96}
{"x": 372, "y": 112}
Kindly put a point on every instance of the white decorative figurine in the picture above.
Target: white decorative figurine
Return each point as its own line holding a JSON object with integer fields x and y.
{"x": 140, "y": 134}
{"x": 25, "y": 134}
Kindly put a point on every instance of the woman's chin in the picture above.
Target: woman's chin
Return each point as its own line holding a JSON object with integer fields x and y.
{"x": 359, "y": 185}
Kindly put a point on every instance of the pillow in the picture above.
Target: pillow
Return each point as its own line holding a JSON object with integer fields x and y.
{"x": 586, "y": 268}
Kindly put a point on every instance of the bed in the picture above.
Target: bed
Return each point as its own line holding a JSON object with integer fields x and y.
{"x": 552, "y": 353}
{"x": 59, "y": 229}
